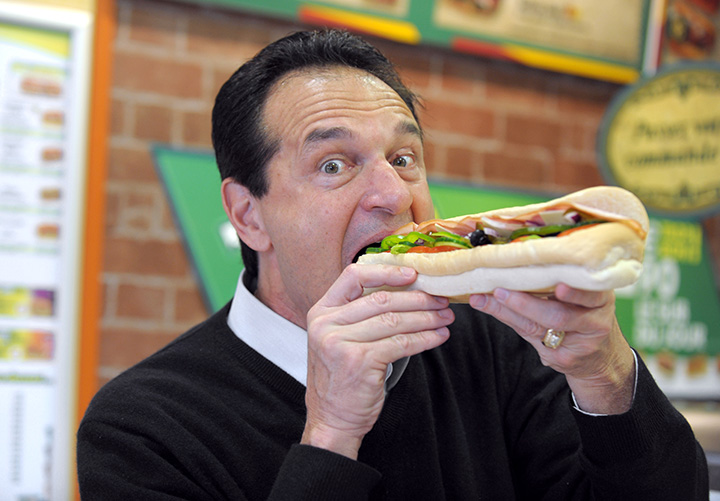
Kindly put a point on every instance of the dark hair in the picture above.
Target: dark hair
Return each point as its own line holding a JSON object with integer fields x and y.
{"x": 242, "y": 144}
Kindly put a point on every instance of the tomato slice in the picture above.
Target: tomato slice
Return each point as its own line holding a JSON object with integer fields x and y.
{"x": 577, "y": 228}
{"x": 423, "y": 249}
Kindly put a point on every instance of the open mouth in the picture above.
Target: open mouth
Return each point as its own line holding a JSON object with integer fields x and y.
{"x": 362, "y": 251}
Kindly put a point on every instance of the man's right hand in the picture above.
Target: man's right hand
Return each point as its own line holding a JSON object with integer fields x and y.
{"x": 351, "y": 340}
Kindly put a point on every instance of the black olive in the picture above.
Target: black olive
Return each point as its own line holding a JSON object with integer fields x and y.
{"x": 478, "y": 237}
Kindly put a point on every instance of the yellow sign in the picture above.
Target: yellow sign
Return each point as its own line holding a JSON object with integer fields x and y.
{"x": 661, "y": 140}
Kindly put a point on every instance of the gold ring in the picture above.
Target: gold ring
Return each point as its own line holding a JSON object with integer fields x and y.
{"x": 553, "y": 339}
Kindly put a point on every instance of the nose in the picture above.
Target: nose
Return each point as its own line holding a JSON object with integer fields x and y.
{"x": 386, "y": 189}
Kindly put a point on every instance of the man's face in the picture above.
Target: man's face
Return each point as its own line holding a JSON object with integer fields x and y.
{"x": 349, "y": 171}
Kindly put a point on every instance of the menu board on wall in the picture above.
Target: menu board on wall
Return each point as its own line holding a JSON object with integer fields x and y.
{"x": 43, "y": 72}
{"x": 612, "y": 40}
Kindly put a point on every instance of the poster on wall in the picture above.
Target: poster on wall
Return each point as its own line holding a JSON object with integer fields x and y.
{"x": 43, "y": 71}
{"x": 615, "y": 40}
{"x": 691, "y": 31}
{"x": 660, "y": 139}
{"x": 593, "y": 29}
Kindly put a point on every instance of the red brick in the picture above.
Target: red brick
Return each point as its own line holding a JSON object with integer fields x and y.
{"x": 533, "y": 130}
{"x": 512, "y": 169}
{"x": 449, "y": 117}
{"x": 140, "y": 302}
{"x": 430, "y": 155}
{"x": 123, "y": 347}
{"x": 461, "y": 75}
{"x": 153, "y": 258}
{"x": 167, "y": 218}
{"x": 414, "y": 66}
{"x": 462, "y": 162}
{"x": 153, "y": 123}
{"x": 197, "y": 129}
{"x": 117, "y": 117}
{"x": 189, "y": 306}
{"x": 576, "y": 175}
{"x": 220, "y": 76}
{"x": 577, "y": 136}
{"x": 578, "y": 96}
{"x": 157, "y": 74}
{"x": 112, "y": 209}
{"x": 509, "y": 85}
{"x": 130, "y": 164}
{"x": 157, "y": 26}
{"x": 238, "y": 37}
{"x": 138, "y": 211}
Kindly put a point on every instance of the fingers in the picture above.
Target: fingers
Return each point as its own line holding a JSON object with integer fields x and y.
{"x": 397, "y": 324}
{"x": 570, "y": 310}
{"x": 588, "y": 299}
{"x": 351, "y": 340}
{"x": 355, "y": 278}
{"x": 381, "y": 314}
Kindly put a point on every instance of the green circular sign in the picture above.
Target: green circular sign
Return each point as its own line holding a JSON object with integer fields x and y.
{"x": 660, "y": 139}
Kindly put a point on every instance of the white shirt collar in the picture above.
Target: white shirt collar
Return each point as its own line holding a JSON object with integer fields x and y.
{"x": 273, "y": 336}
{"x": 278, "y": 339}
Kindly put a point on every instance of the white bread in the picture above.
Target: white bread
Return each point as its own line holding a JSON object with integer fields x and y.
{"x": 602, "y": 257}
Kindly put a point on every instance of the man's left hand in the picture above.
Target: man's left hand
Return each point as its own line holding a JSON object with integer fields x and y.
{"x": 594, "y": 355}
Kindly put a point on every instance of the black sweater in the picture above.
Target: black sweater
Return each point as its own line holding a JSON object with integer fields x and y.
{"x": 208, "y": 418}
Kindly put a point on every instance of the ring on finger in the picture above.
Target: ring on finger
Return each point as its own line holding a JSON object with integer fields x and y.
{"x": 553, "y": 338}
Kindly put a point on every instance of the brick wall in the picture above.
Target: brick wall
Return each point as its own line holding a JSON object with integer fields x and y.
{"x": 487, "y": 122}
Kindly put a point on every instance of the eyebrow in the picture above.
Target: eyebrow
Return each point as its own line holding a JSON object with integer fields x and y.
{"x": 325, "y": 134}
{"x": 409, "y": 128}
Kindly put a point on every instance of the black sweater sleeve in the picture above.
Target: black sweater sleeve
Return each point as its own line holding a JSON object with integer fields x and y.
{"x": 649, "y": 452}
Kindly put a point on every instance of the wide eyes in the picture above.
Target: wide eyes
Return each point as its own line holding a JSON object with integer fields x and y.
{"x": 333, "y": 166}
{"x": 403, "y": 161}
{"x": 336, "y": 166}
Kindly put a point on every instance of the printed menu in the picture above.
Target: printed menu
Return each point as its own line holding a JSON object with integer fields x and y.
{"x": 34, "y": 107}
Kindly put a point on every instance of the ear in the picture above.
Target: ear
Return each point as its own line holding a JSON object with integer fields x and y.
{"x": 241, "y": 208}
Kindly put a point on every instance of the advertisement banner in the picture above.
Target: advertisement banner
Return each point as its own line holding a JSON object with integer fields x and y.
{"x": 42, "y": 165}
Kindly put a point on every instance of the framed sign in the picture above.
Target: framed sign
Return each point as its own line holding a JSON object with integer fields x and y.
{"x": 45, "y": 57}
{"x": 615, "y": 40}
{"x": 660, "y": 139}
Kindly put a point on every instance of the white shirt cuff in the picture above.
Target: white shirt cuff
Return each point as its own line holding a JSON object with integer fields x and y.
{"x": 577, "y": 408}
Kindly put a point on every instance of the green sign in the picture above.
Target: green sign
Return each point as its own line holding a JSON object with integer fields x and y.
{"x": 671, "y": 315}
{"x": 192, "y": 183}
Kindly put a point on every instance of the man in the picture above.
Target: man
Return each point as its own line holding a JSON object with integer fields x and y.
{"x": 304, "y": 388}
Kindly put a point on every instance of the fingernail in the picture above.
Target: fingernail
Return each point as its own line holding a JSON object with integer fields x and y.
{"x": 407, "y": 272}
{"x": 501, "y": 295}
{"x": 479, "y": 301}
{"x": 447, "y": 313}
{"x": 443, "y": 332}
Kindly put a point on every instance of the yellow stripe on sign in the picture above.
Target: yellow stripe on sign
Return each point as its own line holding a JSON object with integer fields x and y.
{"x": 54, "y": 42}
{"x": 400, "y": 31}
{"x": 573, "y": 65}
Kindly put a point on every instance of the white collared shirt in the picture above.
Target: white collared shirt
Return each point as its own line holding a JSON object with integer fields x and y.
{"x": 278, "y": 339}
{"x": 273, "y": 336}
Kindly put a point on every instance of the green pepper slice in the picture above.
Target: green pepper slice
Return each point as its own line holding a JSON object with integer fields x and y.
{"x": 447, "y": 237}
{"x": 551, "y": 229}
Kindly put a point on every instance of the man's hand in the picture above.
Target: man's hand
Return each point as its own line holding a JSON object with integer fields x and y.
{"x": 351, "y": 340}
{"x": 594, "y": 356}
